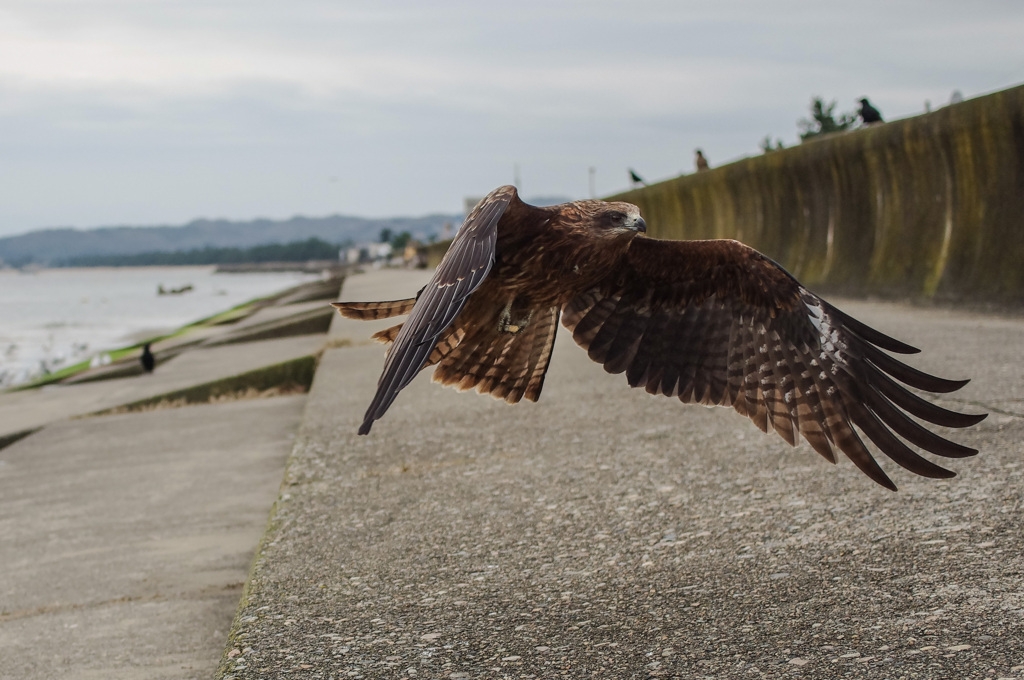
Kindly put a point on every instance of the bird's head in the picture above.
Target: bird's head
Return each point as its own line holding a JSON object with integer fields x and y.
{"x": 615, "y": 219}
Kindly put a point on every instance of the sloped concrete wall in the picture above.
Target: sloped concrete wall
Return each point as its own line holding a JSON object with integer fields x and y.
{"x": 928, "y": 207}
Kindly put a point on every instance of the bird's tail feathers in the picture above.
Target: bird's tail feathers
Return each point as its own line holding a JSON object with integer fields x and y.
{"x": 506, "y": 366}
{"x": 387, "y": 335}
{"x": 374, "y": 310}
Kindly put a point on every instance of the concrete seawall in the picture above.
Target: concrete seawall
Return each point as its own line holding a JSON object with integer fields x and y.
{"x": 927, "y": 207}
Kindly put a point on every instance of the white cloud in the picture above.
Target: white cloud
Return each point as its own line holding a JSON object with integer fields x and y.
{"x": 232, "y": 108}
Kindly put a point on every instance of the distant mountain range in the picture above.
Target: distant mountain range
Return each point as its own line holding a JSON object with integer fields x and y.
{"x": 55, "y": 246}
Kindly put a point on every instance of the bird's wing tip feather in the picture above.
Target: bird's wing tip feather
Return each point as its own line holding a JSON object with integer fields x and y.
{"x": 974, "y": 419}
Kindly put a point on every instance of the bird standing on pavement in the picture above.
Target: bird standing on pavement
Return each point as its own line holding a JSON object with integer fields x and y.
{"x": 710, "y": 322}
{"x": 147, "y": 359}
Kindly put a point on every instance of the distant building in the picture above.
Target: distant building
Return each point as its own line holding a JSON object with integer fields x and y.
{"x": 368, "y": 252}
{"x": 415, "y": 254}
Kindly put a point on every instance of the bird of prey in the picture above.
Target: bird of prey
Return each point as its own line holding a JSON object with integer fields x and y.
{"x": 635, "y": 178}
{"x": 711, "y": 322}
{"x": 868, "y": 113}
{"x": 700, "y": 161}
{"x": 147, "y": 359}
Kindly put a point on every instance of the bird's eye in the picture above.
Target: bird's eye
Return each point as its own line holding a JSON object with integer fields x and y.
{"x": 616, "y": 217}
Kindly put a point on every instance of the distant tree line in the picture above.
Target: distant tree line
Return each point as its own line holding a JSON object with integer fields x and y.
{"x": 296, "y": 251}
{"x": 823, "y": 120}
{"x": 398, "y": 241}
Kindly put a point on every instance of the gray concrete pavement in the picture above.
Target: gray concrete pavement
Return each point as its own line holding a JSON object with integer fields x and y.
{"x": 603, "y": 532}
{"x": 125, "y": 539}
{"x": 310, "y": 321}
{"x": 279, "y": 312}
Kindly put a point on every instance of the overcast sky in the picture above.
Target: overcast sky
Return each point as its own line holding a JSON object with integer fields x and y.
{"x": 161, "y": 111}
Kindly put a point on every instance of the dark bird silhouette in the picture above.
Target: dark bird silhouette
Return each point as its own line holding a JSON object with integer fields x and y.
{"x": 711, "y": 322}
{"x": 868, "y": 113}
{"x": 147, "y": 359}
{"x": 700, "y": 161}
{"x": 637, "y": 179}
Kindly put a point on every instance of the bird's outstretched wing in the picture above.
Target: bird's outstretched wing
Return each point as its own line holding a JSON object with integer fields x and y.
{"x": 717, "y": 323}
{"x": 463, "y": 269}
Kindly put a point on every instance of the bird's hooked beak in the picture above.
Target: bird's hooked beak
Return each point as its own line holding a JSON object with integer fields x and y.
{"x": 640, "y": 226}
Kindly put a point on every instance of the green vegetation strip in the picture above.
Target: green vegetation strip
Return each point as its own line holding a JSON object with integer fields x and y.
{"x": 73, "y": 369}
{"x": 291, "y": 376}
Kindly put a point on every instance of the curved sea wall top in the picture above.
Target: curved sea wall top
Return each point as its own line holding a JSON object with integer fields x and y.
{"x": 927, "y": 207}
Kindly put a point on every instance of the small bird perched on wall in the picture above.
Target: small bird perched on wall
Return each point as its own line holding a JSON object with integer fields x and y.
{"x": 635, "y": 178}
{"x": 710, "y": 322}
{"x": 868, "y": 113}
{"x": 700, "y": 161}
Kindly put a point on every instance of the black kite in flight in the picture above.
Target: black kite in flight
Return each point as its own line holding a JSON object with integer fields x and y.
{"x": 711, "y": 322}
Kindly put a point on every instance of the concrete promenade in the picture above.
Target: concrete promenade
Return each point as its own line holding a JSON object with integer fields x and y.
{"x": 126, "y": 538}
{"x": 606, "y": 533}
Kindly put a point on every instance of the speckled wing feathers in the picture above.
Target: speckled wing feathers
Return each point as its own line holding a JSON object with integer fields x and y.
{"x": 716, "y": 323}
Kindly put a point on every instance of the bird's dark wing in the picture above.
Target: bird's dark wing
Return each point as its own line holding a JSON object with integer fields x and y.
{"x": 463, "y": 269}
{"x": 716, "y": 322}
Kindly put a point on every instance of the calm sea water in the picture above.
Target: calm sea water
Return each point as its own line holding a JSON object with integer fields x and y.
{"x": 56, "y": 317}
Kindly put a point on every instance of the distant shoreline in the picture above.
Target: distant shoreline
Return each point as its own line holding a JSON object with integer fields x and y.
{"x": 108, "y": 310}
{"x": 334, "y": 267}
